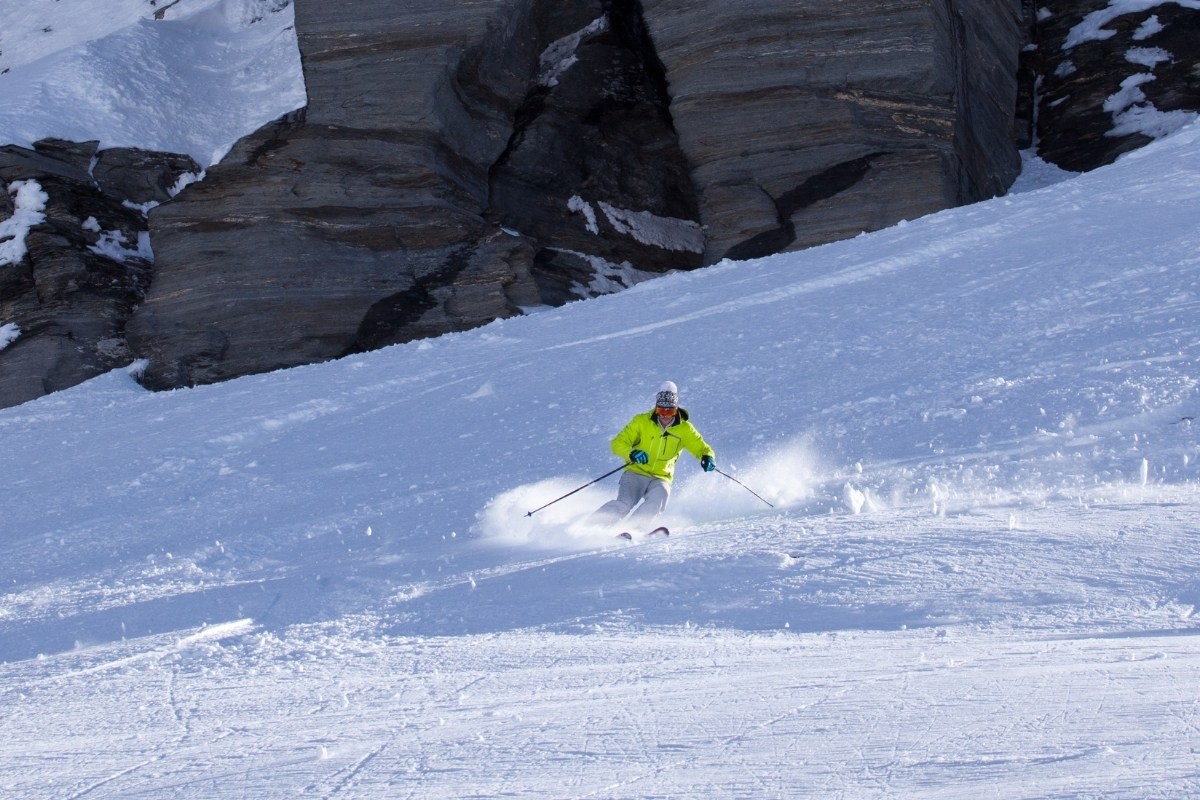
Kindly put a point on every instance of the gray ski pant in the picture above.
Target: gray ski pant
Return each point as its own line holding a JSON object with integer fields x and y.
{"x": 653, "y": 494}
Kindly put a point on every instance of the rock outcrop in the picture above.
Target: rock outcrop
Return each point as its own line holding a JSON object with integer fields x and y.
{"x": 593, "y": 173}
{"x": 457, "y": 162}
{"x": 338, "y": 225}
{"x": 443, "y": 158}
{"x": 1113, "y": 78}
{"x": 810, "y": 122}
{"x": 86, "y": 264}
{"x": 454, "y": 165}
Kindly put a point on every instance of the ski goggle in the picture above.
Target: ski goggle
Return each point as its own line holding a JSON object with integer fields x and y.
{"x": 665, "y": 412}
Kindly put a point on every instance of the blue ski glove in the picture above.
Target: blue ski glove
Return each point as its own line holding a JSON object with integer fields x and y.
{"x": 639, "y": 457}
{"x": 707, "y": 464}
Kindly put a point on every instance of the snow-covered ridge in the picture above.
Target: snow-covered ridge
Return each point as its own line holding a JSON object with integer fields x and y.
{"x": 31, "y": 30}
{"x": 188, "y": 77}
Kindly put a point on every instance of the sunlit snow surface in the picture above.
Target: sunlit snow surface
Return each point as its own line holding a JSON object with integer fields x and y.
{"x": 980, "y": 576}
{"x": 191, "y": 76}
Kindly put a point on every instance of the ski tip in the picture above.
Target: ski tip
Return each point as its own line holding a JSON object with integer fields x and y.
{"x": 625, "y": 535}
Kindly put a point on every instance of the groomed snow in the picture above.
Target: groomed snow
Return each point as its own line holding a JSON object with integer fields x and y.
{"x": 979, "y": 577}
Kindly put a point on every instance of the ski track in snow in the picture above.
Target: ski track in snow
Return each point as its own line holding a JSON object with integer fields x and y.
{"x": 862, "y": 713}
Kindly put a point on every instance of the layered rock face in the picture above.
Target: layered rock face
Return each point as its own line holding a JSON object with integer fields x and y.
{"x": 88, "y": 260}
{"x": 1113, "y": 78}
{"x": 458, "y": 161}
{"x": 807, "y": 122}
{"x": 446, "y": 155}
{"x": 337, "y": 226}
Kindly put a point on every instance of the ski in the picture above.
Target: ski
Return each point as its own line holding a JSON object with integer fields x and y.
{"x": 661, "y": 530}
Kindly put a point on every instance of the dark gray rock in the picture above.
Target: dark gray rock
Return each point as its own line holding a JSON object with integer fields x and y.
{"x": 83, "y": 273}
{"x": 49, "y": 157}
{"x": 807, "y": 123}
{"x": 455, "y": 163}
{"x": 1101, "y": 94}
{"x": 141, "y": 176}
{"x": 458, "y": 161}
{"x": 358, "y": 222}
{"x": 450, "y": 168}
{"x": 243, "y": 285}
{"x": 594, "y": 162}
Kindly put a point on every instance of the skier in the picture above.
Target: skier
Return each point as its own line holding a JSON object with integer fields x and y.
{"x": 651, "y": 443}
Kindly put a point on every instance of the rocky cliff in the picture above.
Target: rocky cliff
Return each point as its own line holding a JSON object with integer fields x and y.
{"x": 1113, "y": 77}
{"x": 87, "y": 263}
{"x": 454, "y": 165}
{"x": 810, "y": 122}
{"x": 460, "y": 160}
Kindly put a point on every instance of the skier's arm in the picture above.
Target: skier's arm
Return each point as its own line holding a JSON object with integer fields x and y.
{"x": 626, "y": 440}
{"x": 695, "y": 443}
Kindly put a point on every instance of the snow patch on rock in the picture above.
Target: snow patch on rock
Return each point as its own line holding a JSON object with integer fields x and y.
{"x": 29, "y": 201}
{"x": 560, "y": 55}
{"x": 668, "y": 233}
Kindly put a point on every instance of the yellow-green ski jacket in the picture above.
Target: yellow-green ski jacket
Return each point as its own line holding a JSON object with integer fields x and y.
{"x": 663, "y": 446}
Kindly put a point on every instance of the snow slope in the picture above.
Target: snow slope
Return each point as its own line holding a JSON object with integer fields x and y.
{"x": 189, "y": 76}
{"x": 980, "y": 576}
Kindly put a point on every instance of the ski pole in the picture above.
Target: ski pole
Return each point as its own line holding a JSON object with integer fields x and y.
{"x": 744, "y": 486}
{"x": 573, "y": 491}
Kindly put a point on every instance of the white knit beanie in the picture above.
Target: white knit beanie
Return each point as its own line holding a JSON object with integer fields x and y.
{"x": 668, "y": 396}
